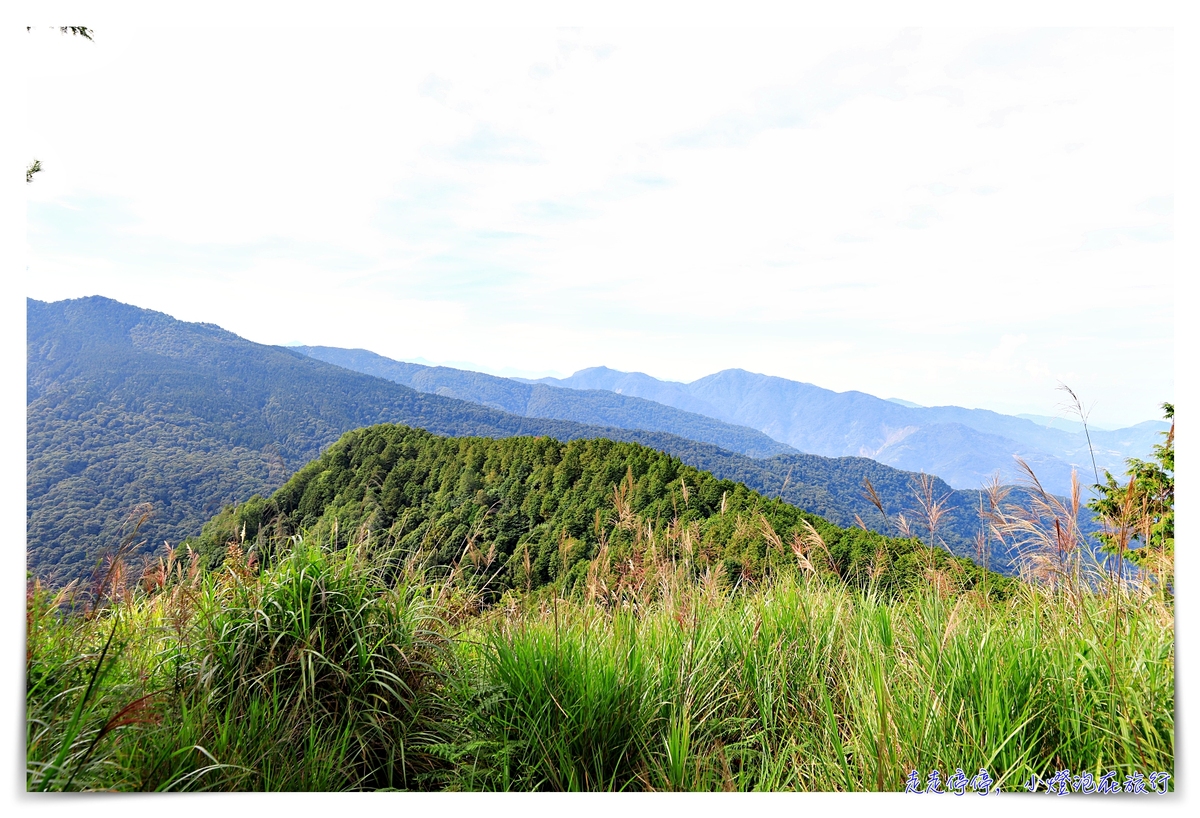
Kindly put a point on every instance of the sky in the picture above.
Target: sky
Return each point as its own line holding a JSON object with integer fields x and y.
{"x": 948, "y": 216}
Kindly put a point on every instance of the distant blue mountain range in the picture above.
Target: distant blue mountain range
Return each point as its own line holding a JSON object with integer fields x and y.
{"x": 534, "y": 400}
{"x": 761, "y": 416}
{"x": 964, "y": 447}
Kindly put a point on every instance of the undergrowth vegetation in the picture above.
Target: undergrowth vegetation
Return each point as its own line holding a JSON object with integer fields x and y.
{"x": 810, "y": 687}
{"x": 226, "y": 680}
{"x": 673, "y": 632}
{"x": 353, "y": 667}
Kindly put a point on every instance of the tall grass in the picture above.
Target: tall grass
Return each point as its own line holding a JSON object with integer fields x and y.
{"x": 347, "y": 669}
{"x": 320, "y": 673}
{"x": 819, "y": 687}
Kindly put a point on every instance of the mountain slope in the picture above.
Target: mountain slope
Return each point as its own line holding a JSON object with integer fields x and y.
{"x": 963, "y": 446}
{"x": 594, "y": 406}
{"x": 128, "y": 406}
{"x": 522, "y": 512}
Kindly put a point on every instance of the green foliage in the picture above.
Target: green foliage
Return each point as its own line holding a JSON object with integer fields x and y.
{"x": 815, "y": 687}
{"x": 327, "y": 641}
{"x": 316, "y": 674}
{"x": 484, "y": 507}
{"x": 1141, "y": 511}
{"x": 129, "y": 407}
{"x": 337, "y": 670}
{"x": 569, "y": 712}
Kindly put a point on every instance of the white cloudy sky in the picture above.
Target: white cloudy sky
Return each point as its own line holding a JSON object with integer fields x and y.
{"x": 946, "y": 216}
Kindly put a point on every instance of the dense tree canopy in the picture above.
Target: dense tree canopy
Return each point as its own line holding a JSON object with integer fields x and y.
{"x": 526, "y": 511}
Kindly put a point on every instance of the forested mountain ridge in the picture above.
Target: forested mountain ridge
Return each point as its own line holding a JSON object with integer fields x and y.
{"x": 522, "y": 512}
{"x": 963, "y": 446}
{"x": 129, "y": 409}
{"x": 600, "y": 407}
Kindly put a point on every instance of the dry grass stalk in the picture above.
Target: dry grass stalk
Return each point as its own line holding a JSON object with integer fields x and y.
{"x": 769, "y": 534}
{"x": 932, "y": 510}
{"x": 1075, "y": 405}
{"x": 810, "y": 540}
{"x": 800, "y": 549}
{"x": 623, "y": 502}
{"x": 879, "y": 563}
{"x": 1046, "y": 535}
{"x": 712, "y": 582}
{"x": 873, "y": 496}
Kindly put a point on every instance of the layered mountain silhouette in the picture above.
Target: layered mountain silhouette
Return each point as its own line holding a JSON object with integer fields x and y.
{"x": 141, "y": 427}
{"x": 965, "y": 447}
{"x": 592, "y": 406}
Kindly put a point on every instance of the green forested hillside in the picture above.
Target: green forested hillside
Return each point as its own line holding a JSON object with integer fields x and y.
{"x": 131, "y": 412}
{"x": 523, "y": 511}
